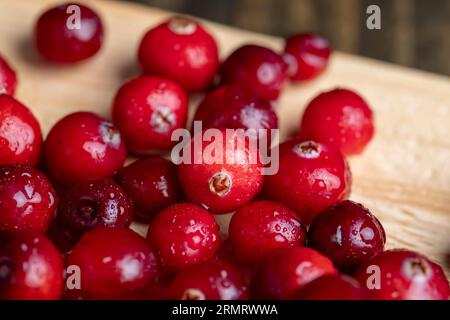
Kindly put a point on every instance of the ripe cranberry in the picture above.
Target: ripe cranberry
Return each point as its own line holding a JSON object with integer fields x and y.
{"x": 224, "y": 178}
{"x": 27, "y": 199}
{"x": 311, "y": 177}
{"x": 214, "y": 280}
{"x": 181, "y": 50}
{"x": 184, "y": 234}
{"x": 259, "y": 69}
{"x": 347, "y": 233}
{"x": 94, "y": 204}
{"x": 113, "y": 262}
{"x": 152, "y": 184}
{"x": 333, "y": 287}
{"x": 339, "y": 117}
{"x": 260, "y": 227}
{"x": 307, "y": 55}
{"x": 20, "y": 133}
{"x": 31, "y": 268}
{"x": 403, "y": 275}
{"x": 8, "y": 78}
{"x": 234, "y": 107}
{"x": 68, "y": 33}
{"x": 288, "y": 270}
{"x": 83, "y": 146}
{"x": 147, "y": 110}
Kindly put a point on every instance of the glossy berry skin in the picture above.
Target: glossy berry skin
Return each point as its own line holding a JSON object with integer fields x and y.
{"x": 339, "y": 117}
{"x": 152, "y": 184}
{"x": 347, "y": 233}
{"x": 20, "y": 133}
{"x": 184, "y": 234}
{"x": 83, "y": 146}
{"x": 289, "y": 270}
{"x": 404, "y": 275}
{"x": 307, "y": 56}
{"x": 257, "y": 68}
{"x": 113, "y": 263}
{"x": 214, "y": 280}
{"x": 58, "y": 37}
{"x": 147, "y": 110}
{"x": 223, "y": 182}
{"x": 27, "y": 199}
{"x": 8, "y": 79}
{"x": 260, "y": 227}
{"x": 91, "y": 204}
{"x": 333, "y": 287}
{"x": 31, "y": 267}
{"x": 181, "y": 50}
{"x": 311, "y": 177}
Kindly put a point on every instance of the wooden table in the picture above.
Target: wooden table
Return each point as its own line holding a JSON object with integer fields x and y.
{"x": 403, "y": 177}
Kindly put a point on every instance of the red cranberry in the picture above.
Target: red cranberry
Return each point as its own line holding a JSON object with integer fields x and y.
{"x": 333, "y": 287}
{"x": 259, "y": 69}
{"x": 347, "y": 233}
{"x": 27, "y": 199}
{"x": 260, "y": 227}
{"x": 147, "y": 110}
{"x": 68, "y": 33}
{"x": 94, "y": 204}
{"x": 214, "y": 280}
{"x": 403, "y": 275}
{"x": 8, "y": 78}
{"x": 339, "y": 117}
{"x": 152, "y": 184}
{"x": 307, "y": 55}
{"x": 311, "y": 177}
{"x": 181, "y": 50}
{"x": 184, "y": 234}
{"x": 113, "y": 263}
{"x": 288, "y": 270}
{"x": 83, "y": 146}
{"x": 31, "y": 268}
{"x": 20, "y": 133}
{"x": 225, "y": 179}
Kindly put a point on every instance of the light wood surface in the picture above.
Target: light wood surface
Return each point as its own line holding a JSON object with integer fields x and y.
{"x": 403, "y": 177}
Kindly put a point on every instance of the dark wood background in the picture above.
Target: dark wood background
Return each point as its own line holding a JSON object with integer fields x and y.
{"x": 413, "y": 33}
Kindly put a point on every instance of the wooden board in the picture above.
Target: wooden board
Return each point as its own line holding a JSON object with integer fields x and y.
{"x": 403, "y": 177}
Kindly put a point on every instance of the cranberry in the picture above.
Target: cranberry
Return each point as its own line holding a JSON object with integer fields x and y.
{"x": 93, "y": 204}
{"x": 68, "y": 33}
{"x": 184, "y": 234}
{"x": 214, "y": 280}
{"x": 181, "y": 50}
{"x": 288, "y": 270}
{"x": 260, "y": 227}
{"x": 339, "y": 117}
{"x": 347, "y": 233}
{"x": 311, "y": 177}
{"x": 113, "y": 262}
{"x": 307, "y": 55}
{"x": 152, "y": 183}
{"x": 147, "y": 110}
{"x": 259, "y": 69}
{"x": 20, "y": 133}
{"x": 226, "y": 180}
{"x": 27, "y": 199}
{"x": 403, "y": 275}
{"x": 8, "y": 78}
{"x": 31, "y": 268}
{"x": 234, "y": 107}
{"x": 83, "y": 146}
{"x": 333, "y": 287}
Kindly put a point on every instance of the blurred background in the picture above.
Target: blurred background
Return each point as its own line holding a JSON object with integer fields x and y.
{"x": 414, "y": 33}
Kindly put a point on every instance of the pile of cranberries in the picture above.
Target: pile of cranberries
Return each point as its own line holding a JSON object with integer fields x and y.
{"x": 67, "y": 201}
